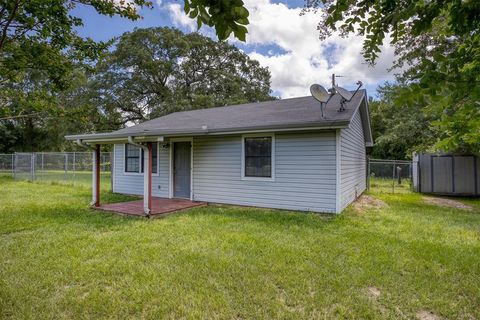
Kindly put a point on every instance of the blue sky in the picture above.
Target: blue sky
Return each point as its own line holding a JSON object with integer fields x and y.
{"x": 279, "y": 38}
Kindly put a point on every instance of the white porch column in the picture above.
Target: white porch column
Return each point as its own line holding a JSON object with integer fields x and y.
{"x": 147, "y": 179}
{"x": 96, "y": 176}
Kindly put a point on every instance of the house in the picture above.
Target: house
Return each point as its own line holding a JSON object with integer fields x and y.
{"x": 275, "y": 154}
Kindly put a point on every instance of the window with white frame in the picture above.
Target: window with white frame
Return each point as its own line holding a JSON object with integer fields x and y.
{"x": 258, "y": 162}
{"x": 134, "y": 158}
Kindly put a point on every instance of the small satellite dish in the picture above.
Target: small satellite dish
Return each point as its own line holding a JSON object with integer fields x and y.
{"x": 347, "y": 95}
{"x": 319, "y": 93}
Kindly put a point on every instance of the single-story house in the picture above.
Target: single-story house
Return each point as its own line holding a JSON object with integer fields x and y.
{"x": 275, "y": 154}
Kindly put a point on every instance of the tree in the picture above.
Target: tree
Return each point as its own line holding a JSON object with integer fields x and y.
{"x": 438, "y": 44}
{"x": 226, "y": 16}
{"x": 156, "y": 71}
{"x": 399, "y": 127}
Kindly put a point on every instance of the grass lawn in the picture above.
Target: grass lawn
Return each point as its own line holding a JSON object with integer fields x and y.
{"x": 59, "y": 259}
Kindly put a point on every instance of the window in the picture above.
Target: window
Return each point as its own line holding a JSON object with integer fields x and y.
{"x": 258, "y": 157}
{"x": 134, "y": 158}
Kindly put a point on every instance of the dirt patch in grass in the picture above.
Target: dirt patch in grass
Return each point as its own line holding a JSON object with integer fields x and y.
{"x": 449, "y": 203}
{"x": 366, "y": 202}
{"x": 373, "y": 293}
{"x": 427, "y": 315}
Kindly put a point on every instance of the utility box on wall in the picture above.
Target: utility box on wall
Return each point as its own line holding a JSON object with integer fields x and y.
{"x": 446, "y": 174}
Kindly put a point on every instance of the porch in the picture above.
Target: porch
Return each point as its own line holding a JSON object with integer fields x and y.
{"x": 159, "y": 206}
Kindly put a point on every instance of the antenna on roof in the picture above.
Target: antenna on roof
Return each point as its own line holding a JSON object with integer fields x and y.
{"x": 323, "y": 95}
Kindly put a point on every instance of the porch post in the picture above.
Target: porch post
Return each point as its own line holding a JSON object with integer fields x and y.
{"x": 96, "y": 177}
{"x": 147, "y": 181}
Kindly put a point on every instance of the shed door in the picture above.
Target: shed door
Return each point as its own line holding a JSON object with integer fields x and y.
{"x": 442, "y": 174}
{"x": 181, "y": 169}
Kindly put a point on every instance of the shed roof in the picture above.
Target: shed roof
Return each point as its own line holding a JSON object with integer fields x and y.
{"x": 294, "y": 113}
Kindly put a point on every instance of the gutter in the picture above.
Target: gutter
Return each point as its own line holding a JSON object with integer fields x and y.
{"x": 112, "y": 137}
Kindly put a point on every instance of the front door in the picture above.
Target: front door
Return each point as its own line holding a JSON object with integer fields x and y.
{"x": 181, "y": 169}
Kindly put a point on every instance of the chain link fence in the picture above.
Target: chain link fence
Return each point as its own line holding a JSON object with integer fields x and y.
{"x": 73, "y": 168}
{"x": 7, "y": 164}
{"x": 389, "y": 176}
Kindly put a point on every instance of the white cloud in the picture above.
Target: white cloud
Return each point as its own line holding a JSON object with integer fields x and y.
{"x": 179, "y": 18}
{"x": 305, "y": 59}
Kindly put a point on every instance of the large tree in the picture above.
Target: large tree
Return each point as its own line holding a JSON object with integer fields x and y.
{"x": 399, "y": 125}
{"x": 40, "y": 52}
{"x": 438, "y": 45}
{"x": 155, "y": 71}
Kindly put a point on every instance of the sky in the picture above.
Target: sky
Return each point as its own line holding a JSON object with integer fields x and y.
{"x": 278, "y": 37}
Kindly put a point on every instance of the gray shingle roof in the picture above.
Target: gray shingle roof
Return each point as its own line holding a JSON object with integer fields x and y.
{"x": 277, "y": 114}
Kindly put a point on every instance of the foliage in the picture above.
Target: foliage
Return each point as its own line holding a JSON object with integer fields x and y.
{"x": 58, "y": 257}
{"x": 438, "y": 45}
{"x": 36, "y": 115}
{"x": 40, "y": 55}
{"x": 226, "y": 16}
{"x": 37, "y": 34}
{"x": 155, "y": 71}
{"x": 399, "y": 127}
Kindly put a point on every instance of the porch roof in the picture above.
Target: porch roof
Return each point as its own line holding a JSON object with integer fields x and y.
{"x": 286, "y": 114}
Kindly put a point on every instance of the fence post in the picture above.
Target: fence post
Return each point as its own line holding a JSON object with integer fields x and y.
{"x": 393, "y": 177}
{"x": 43, "y": 167}
{"x": 13, "y": 165}
{"x": 65, "y": 168}
{"x": 73, "y": 165}
{"x": 368, "y": 173}
{"x": 32, "y": 166}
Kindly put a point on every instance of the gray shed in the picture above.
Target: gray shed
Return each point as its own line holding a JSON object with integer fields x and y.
{"x": 446, "y": 174}
{"x": 274, "y": 154}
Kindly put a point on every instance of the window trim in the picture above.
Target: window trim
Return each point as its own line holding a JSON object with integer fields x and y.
{"x": 140, "y": 173}
{"x": 258, "y": 135}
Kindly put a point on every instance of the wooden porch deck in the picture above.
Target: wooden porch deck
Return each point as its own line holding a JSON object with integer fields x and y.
{"x": 160, "y": 206}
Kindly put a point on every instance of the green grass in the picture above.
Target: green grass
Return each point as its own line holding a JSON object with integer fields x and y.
{"x": 59, "y": 259}
{"x": 389, "y": 185}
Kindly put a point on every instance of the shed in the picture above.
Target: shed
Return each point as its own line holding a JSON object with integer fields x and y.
{"x": 275, "y": 154}
{"x": 446, "y": 174}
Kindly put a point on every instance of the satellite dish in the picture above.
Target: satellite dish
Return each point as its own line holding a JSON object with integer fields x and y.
{"x": 319, "y": 93}
{"x": 347, "y": 95}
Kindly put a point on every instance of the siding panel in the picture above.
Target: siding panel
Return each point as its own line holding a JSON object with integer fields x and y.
{"x": 304, "y": 172}
{"x": 133, "y": 183}
{"x": 353, "y": 161}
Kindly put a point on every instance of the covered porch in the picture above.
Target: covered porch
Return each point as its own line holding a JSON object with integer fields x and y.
{"x": 159, "y": 206}
{"x": 149, "y": 147}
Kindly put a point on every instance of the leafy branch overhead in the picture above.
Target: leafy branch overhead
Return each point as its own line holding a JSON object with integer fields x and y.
{"x": 226, "y": 16}
{"x": 437, "y": 47}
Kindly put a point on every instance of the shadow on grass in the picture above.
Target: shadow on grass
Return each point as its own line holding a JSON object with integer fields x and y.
{"x": 271, "y": 217}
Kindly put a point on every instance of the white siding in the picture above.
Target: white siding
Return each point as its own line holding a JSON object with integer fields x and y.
{"x": 305, "y": 176}
{"x": 133, "y": 183}
{"x": 353, "y": 162}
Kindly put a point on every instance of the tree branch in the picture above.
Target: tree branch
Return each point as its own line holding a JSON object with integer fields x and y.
{"x": 5, "y": 28}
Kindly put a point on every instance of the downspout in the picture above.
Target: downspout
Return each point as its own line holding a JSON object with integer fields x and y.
{"x": 80, "y": 143}
{"x": 147, "y": 194}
